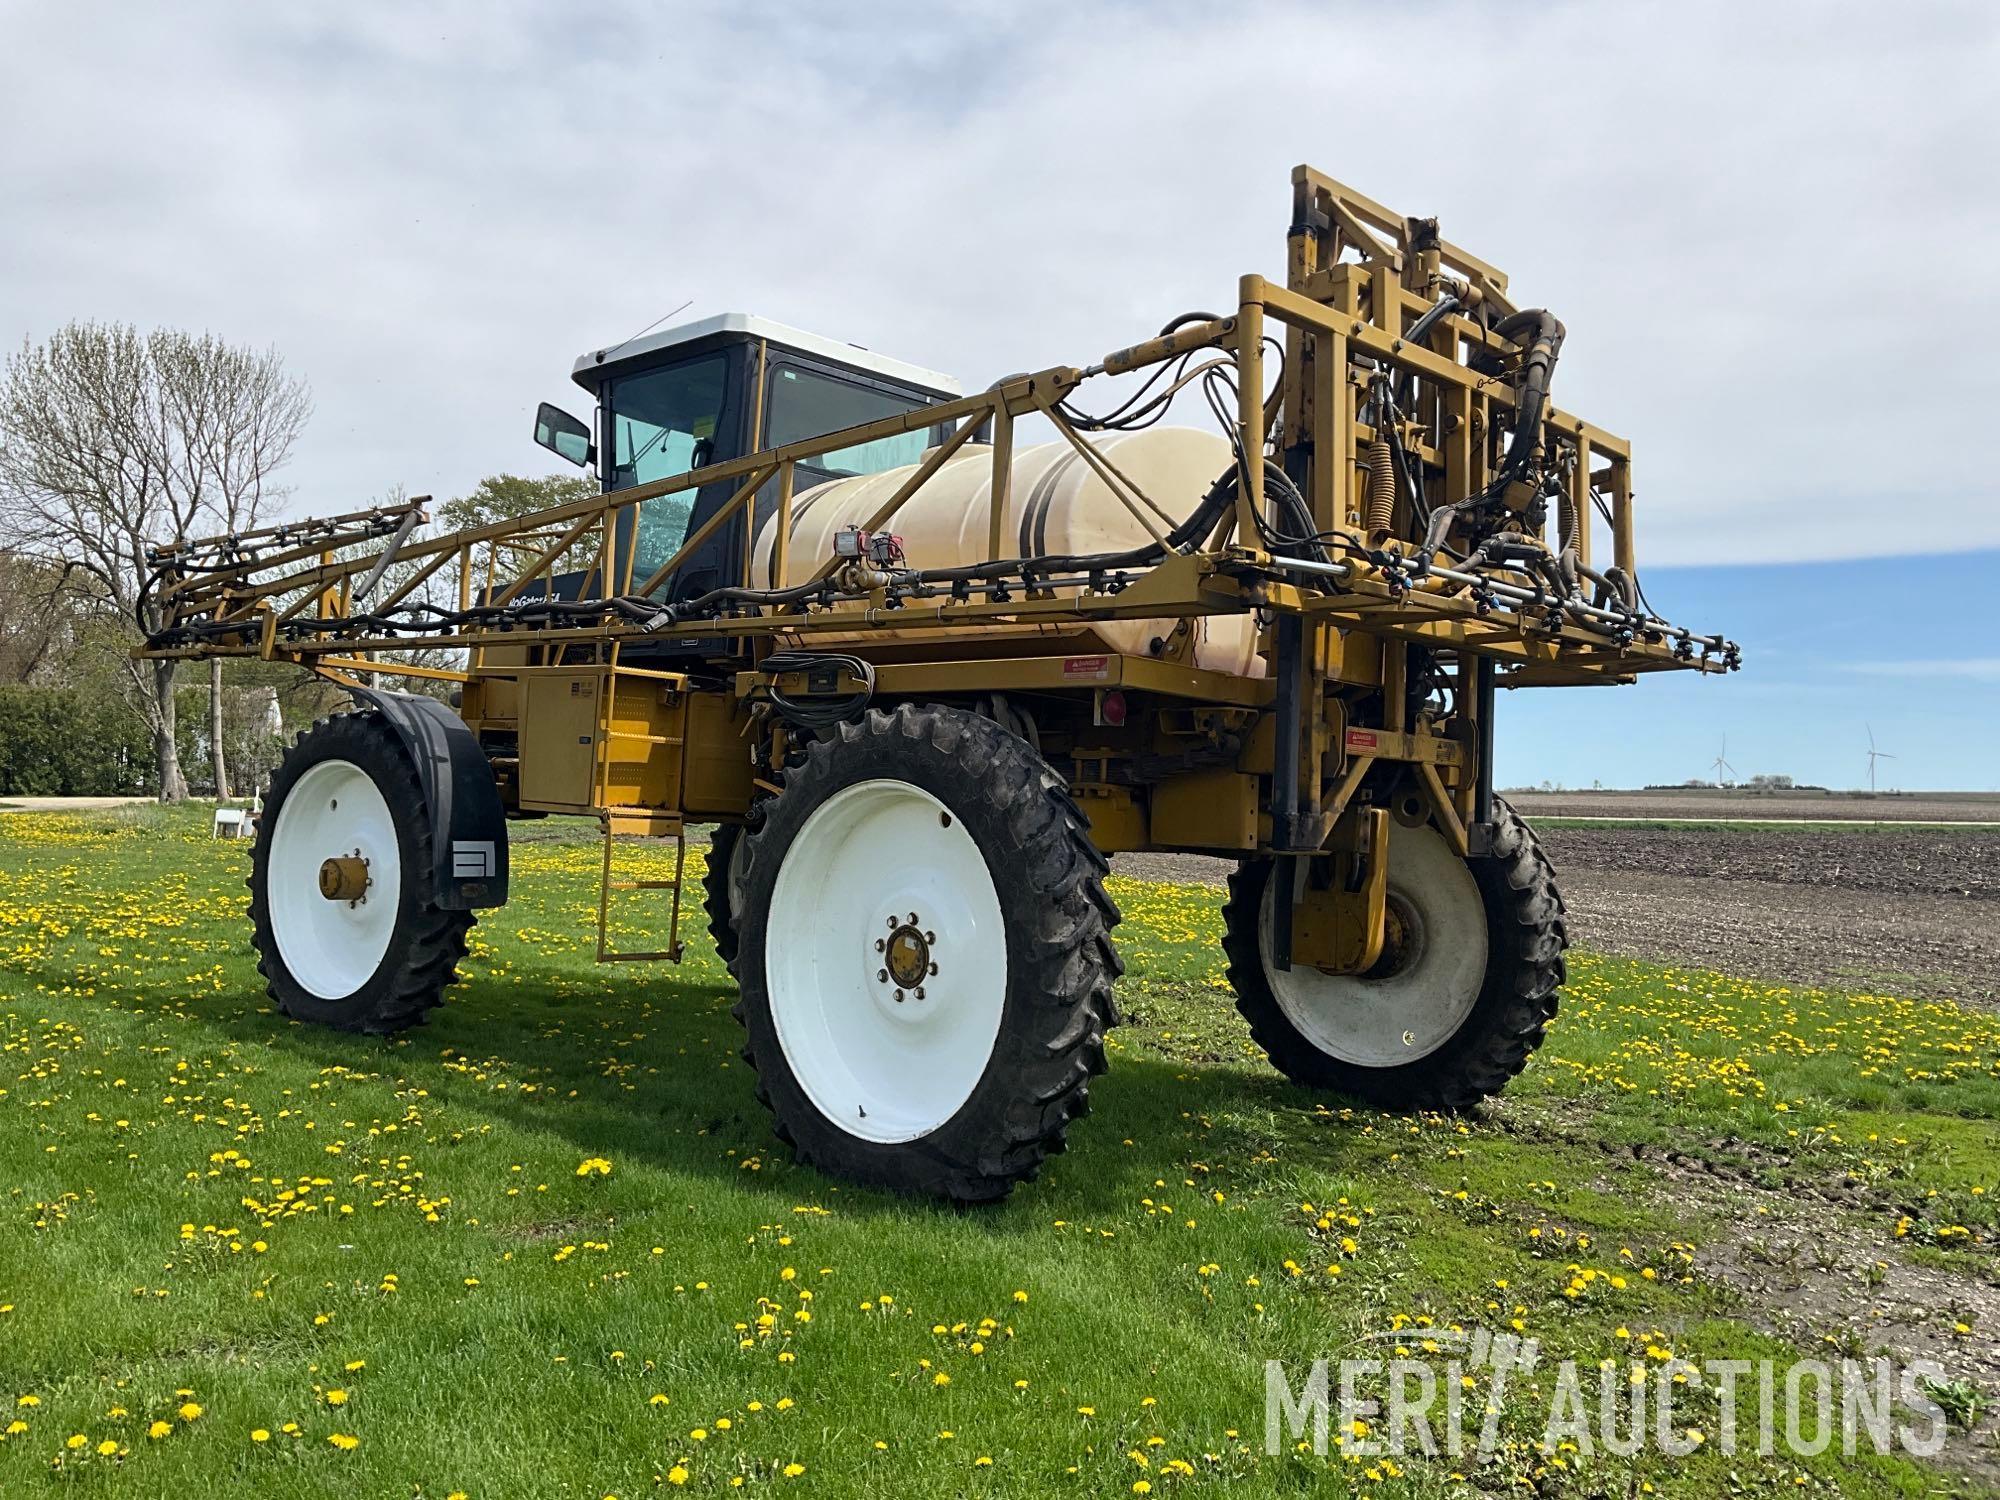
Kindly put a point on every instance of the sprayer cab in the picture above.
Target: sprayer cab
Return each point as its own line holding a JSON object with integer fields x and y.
{"x": 704, "y": 393}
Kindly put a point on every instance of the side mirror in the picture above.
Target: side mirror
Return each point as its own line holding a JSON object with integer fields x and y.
{"x": 563, "y": 435}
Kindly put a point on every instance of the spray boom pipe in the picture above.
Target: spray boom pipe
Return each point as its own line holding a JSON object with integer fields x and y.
{"x": 1516, "y": 593}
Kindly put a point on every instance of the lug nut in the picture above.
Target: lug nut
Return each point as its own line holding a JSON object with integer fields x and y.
{"x": 930, "y": 937}
{"x": 920, "y": 992}
{"x": 882, "y": 975}
{"x": 880, "y": 944}
{"x": 899, "y": 997}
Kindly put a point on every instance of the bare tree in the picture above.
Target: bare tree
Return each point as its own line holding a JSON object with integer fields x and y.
{"x": 111, "y": 442}
{"x": 46, "y": 611}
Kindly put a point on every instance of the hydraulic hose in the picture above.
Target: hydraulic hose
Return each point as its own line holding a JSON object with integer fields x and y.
{"x": 1542, "y": 335}
{"x": 1568, "y": 557}
{"x": 1447, "y": 303}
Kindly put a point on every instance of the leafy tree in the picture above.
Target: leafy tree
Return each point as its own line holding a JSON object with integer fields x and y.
{"x": 502, "y": 497}
{"x": 507, "y": 497}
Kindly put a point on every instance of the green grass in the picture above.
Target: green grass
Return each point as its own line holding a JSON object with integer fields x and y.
{"x": 208, "y": 1207}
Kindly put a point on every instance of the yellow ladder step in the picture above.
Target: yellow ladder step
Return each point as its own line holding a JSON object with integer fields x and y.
{"x": 606, "y": 885}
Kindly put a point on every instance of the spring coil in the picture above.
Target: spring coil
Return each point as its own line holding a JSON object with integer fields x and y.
{"x": 1379, "y": 515}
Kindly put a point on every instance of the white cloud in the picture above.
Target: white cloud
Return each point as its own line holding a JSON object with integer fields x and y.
{"x": 1770, "y": 230}
{"x": 1978, "y": 668}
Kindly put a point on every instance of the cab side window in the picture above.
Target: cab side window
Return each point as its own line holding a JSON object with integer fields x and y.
{"x": 806, "y": 403}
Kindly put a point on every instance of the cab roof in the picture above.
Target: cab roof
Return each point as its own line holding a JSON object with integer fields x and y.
{"x": 590, "y": 369}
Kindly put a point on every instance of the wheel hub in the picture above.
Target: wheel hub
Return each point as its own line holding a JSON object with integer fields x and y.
{"x": 903, "y": 962}
{"x": 909, "y": 955}
{"x": 344, "y": 878}
{"x": 1402, "y": 938}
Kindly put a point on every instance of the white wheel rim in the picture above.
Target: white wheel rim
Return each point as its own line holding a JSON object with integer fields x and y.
{"x": 334, "y": 811}
{"x": 869, "y": 860}
{"x": 733, "y": 876}
{"x": 1411, "y": 1012}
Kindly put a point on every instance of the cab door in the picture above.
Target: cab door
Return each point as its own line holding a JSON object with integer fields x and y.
{"x": 660, "y": 423}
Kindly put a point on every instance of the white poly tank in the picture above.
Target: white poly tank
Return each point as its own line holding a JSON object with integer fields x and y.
{"x": 1057, "y": 505}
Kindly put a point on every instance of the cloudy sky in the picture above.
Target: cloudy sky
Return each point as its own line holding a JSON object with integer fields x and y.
{"x": 1772, "y": 230}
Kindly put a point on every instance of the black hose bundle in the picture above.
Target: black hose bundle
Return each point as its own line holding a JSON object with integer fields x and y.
{"x": 1543, "y": 342}
{"x": 1541, "y": 334}
{"x": 819, "y": 713}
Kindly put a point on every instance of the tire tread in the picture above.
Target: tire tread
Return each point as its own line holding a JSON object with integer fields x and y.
{"x": 1059, "y": 915}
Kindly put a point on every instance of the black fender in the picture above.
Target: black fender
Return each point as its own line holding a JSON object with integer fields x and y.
{"x": 461, "y": 799}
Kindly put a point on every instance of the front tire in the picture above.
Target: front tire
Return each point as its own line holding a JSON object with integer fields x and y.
{"x": 375, "y": 962}
{"x": 1456, "y": 1007}
{"x": 924, "y": 955}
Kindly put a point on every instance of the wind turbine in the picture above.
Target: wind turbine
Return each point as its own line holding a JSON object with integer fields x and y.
{"x": 1873, "y": 756}
{"x": 1722, "y": 764}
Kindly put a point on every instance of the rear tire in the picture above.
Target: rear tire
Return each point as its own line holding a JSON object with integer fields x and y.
{"x": 721, "y": 888}
{"x": 378, "y": 963}
{"x": 924, "y": 955}
{"x": 1468, "y": 1011}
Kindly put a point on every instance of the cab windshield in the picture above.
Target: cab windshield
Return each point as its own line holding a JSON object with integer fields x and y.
{"x": 664, "y": 423}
